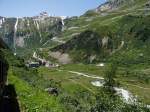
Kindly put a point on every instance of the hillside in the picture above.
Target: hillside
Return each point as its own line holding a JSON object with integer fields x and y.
{"x": 97, "y": 62}
{"x": 19, "y": 94}
{"x": 119, "y": 30}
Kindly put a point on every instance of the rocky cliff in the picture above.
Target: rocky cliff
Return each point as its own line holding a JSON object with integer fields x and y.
{"x": 29, "y": 31}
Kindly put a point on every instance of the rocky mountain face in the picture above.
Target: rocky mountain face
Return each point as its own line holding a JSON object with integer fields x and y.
{"x": 29, "y": 31}
{"x": 113, "y": 4}
{"x": 117, "y": 5}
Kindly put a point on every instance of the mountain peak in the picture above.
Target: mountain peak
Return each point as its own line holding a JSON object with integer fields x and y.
{"x": 44, "y": 14}
{"x": 112, "y": 4}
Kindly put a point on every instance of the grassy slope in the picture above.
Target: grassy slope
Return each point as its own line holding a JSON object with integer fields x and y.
{"x": 117, "y": 25}
{"x": 70, "y": 82}
{"x": 33, "y": 99}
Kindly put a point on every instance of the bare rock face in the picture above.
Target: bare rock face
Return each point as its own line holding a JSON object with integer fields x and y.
{"x": 104, "y": 7}
{"x": 30, "y": 31}
{"x": 63, "y": 58}
{"x": 20, "y": 41}
{"x": 113, "y": 4}
{"x": 105, "y": 41}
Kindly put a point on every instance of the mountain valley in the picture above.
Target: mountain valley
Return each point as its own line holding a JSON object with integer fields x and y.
{"x": 96, "y": 62}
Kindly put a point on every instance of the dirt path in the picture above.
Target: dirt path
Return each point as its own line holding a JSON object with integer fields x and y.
{"x": 86, "y": 75}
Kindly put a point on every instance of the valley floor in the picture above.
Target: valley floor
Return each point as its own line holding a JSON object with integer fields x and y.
{"x": 84, "y": 75}
{"x": 71, "y": 79}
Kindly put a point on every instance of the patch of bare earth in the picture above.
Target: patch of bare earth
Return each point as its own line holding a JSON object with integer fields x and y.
{"x": 63, "y": 58}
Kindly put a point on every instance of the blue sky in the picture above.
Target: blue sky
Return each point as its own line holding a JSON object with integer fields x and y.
{"x": 20, "y": 8}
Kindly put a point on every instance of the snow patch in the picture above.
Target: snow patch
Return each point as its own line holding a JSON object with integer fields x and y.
{"x": 100, "y": 65}
{"x": 99, "y": 83}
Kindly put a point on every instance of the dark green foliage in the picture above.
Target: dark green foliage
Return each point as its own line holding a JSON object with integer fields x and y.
{"x": 106, "y": 103}
{"x": 87, "y": 40}
{"x": 72, "y": 104}
{"x": 86, "y": 44}
{"x": 110, "y": 82}
{"x": 35, "y": 79}
{"x": 12, "y": 60}
{"x": 142, "y": 29}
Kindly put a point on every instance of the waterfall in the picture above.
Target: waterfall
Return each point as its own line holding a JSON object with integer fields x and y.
{"x": 62, "y": 21}
{"x": 28, "y": 24}
{"x": 34, "y": 22}
{"x": 38, "y": 28}
{"x": 37, "y": 25}
{"x": 2, "y": 21}
{"x": 15, "y": 31}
